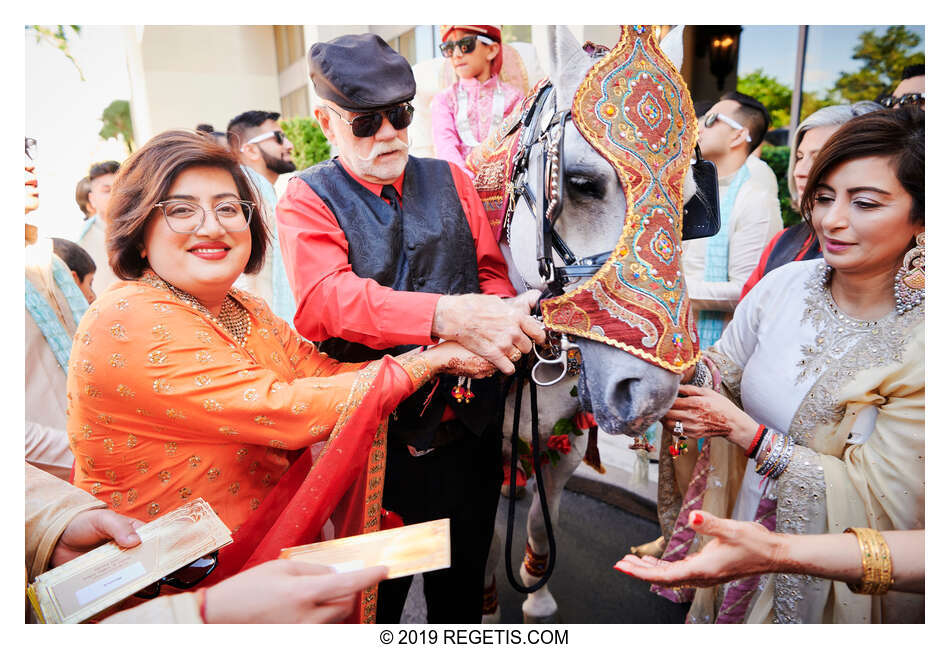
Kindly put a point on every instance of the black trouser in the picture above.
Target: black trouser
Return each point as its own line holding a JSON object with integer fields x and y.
{"x": 459, "y": 481}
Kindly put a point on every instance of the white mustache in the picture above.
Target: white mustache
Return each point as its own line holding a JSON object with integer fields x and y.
{"x": 381, "y": 148}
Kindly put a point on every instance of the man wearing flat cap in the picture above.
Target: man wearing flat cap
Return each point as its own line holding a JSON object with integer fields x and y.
{"x": 387, "y": 252}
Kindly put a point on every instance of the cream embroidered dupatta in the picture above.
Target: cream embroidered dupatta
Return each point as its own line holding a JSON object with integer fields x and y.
{"x": 852, "y": 378}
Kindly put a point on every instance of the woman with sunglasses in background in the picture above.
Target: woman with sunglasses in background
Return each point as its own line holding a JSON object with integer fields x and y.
{"x": 798, "y": 242}
{"x": 182, "y": 387}
{"x": 812, "y": 401}
{"x": 466, "y": 112}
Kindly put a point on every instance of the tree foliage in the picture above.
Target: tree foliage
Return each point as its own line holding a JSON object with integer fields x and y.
{"x": 55, "y": 35}
{"x": 884, "y": 58}
{"x": 310, "y": 144}
{"x": 116, "y": 122}
{"x": 774, "y": 95}
{"x": 776, "y": 157}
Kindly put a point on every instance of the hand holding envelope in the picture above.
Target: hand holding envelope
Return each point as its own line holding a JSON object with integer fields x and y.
{"x": 403, "y": 550}
{"x": 288, "y": 592}
{"x": 92, "y": 528}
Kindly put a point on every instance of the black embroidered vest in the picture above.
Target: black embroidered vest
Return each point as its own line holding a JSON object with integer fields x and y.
{"x": 430, "y": 249}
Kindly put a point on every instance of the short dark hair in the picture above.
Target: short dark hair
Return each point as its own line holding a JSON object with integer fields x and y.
{"x": 103, "y": 168}
{"x": 144, "y": 180}
{"x": 702, "y": 107}
{"x": 753, "y": 115}
{"x": 244, "y": 122}
{"x": 915, "y": 70}
{"x": 83, "y": 187}
{"x": 205, "y": 128}
{"x": 895, "y": 134}
{"x": 77, "y": 259}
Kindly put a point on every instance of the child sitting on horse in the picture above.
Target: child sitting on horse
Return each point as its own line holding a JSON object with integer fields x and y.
{"x": 465, "y": 113}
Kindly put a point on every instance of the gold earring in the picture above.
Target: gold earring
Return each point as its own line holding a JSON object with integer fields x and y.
{"x": 910, "y": 282}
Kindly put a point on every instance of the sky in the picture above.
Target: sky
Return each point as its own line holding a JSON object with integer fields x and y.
{"x": 773, "y": 49}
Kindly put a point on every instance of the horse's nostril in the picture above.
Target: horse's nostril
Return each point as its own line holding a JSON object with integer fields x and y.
{"x": 624, "y": 394}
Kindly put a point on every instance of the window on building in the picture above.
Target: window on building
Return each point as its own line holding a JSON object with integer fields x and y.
{"x": 405, "y": 44}
{"x": 295, "y": 104}
{"x": 290, "y": 44}
{"x": 516, "y": 33}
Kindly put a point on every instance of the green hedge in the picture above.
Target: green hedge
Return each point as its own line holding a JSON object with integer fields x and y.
{"x": 310, "y": 145}
{"x": 776, "y": 157}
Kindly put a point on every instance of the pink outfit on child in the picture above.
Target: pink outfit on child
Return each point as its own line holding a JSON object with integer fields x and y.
{"x": 485, "y": 104}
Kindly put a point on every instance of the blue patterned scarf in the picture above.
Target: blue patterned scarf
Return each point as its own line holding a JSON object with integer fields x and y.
{"x": 44, "y": 316}
{"x": 717, "y": 262}
{"x": 282, "y": 299}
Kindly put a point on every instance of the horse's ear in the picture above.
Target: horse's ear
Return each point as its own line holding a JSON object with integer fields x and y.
{"x": 672, "y": 46}
{"x": 569, "y": 63}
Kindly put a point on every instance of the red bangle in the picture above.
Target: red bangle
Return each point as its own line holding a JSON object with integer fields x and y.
{"x": 754, "y": 446}
{"x": 202, "y": 604}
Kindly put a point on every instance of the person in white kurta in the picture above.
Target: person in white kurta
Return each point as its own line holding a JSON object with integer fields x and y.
{"x": 851, "y": 395}
{"x": 47, "y": 446}
{"x": 755, "y": 218}
{"x": 93, "y": 240}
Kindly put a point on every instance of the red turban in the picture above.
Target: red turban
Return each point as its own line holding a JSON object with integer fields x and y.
{"x": 491, "y": 31}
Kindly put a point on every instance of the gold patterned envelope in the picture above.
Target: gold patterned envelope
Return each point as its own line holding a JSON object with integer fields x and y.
{"x": 404, "y": 550}
{"x": 99, "y": 578}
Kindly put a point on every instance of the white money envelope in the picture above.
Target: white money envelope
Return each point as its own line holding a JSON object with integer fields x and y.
{"x": 404, "y": 550}
{"x": 78, "y": 589}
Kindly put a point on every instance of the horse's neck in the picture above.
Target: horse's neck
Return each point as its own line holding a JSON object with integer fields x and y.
{"x": 513, "y": 275}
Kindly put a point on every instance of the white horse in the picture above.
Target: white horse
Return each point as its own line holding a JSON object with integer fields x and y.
{"x": 625, "y": 394}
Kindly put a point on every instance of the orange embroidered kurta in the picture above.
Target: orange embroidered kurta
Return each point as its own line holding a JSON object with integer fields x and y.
{"x": 165, "y": 407}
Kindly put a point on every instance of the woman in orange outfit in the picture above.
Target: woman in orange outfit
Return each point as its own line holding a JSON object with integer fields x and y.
{"x": 182, "y": 387}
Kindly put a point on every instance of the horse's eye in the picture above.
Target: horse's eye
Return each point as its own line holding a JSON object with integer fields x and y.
{"x": 584, "y": 187}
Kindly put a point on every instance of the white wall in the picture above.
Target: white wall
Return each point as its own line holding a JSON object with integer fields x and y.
{"x": 184, "y": 75}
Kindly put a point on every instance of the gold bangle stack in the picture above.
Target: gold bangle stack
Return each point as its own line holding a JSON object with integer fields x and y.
{"x": 875, "y": 562}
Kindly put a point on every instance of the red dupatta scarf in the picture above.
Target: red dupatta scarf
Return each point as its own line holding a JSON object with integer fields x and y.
{"x": 344, "y": 484}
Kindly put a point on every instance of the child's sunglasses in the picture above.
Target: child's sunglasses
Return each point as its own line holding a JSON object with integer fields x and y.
{"x": 466, "y": 44}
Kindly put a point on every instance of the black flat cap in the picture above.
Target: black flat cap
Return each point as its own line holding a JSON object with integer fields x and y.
{"x": 360, "y": 72}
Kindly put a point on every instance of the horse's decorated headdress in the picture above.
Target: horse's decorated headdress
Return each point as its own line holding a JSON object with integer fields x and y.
{"x": 634, "y": 109}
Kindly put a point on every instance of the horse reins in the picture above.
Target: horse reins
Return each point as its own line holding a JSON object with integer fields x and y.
{"x": 551, "y": 137}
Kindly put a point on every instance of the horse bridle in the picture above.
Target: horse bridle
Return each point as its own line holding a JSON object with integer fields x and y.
{"x": 701, "y": 219}
{"x": 551, "y": 138}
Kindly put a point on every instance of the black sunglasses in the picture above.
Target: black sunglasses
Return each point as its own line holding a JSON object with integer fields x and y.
{"x": 367, "y": 124}
{"x": 183, "y": 578}
{"x": 911, "y": 99}
{"x": 466, "y": 43}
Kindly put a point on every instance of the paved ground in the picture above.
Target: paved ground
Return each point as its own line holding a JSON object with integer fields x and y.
{"x": 592, "y": 535}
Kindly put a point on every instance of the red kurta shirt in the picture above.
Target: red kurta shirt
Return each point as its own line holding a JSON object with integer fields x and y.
{"x": 332, "y": 301}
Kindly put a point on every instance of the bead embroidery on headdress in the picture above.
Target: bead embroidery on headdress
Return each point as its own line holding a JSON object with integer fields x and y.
{"x": 634, "y": 109}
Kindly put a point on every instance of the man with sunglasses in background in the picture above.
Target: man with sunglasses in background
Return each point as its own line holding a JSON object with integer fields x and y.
{"x": 716, "y": 268}
{"x": 910, "y": 91}
{"x": 265, "y": 153}
{"x": 388, "y": 252}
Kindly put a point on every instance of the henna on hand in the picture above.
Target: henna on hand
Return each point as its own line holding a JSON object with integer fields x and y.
{"x": 473, "y": 367}
{"x": 713, "y": 422}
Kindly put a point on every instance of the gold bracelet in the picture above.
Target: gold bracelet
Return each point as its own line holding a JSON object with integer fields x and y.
{"x": 876, "y": 564}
